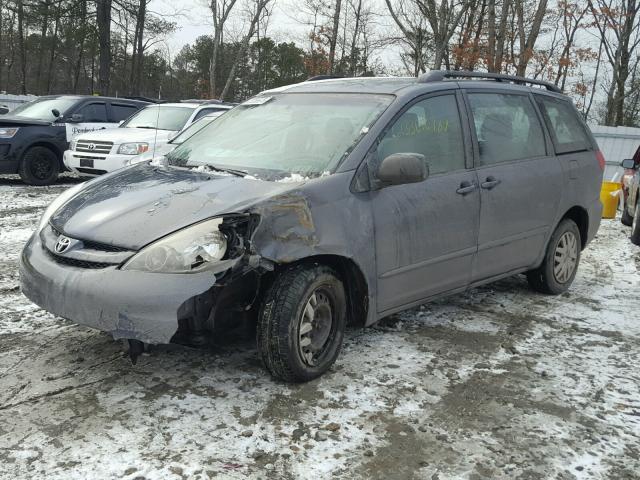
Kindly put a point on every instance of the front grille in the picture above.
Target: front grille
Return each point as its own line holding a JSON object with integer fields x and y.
{"x": 93, "y": 146}
{"x": 101, "y": 247}
{"x": 91, "y": 171}
{"x": 72, "y": 262}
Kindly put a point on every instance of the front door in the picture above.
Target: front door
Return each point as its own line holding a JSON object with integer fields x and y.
{"x": 425, "y": 233}
{"x": 520, "y": 184}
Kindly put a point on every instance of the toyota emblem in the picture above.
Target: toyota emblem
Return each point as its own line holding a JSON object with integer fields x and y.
{"x": 63, "y": 244}
{"x": 91, "y": 146}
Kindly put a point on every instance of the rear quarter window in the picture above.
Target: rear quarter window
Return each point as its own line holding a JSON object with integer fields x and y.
{"x": 567, "y": 130}
{"x": 121, "y": 112}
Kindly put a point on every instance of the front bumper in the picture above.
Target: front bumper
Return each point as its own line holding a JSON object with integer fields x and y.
{"x": 99, "y": 163}
{"x": 127, "y": 304}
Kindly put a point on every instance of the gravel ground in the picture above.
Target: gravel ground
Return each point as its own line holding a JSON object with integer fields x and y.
{"x": 499, "y": 383}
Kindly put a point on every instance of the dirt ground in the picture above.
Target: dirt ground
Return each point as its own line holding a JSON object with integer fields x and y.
{"x": 499, "y": 383}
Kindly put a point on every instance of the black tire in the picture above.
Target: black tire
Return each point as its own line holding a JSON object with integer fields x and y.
{"x": 626, "y": 219}
{"x": 546, "y": 278}
{"x": 282, "y": 314}
{"x": 635, "y": 226}
{"x": 39, "y": 166}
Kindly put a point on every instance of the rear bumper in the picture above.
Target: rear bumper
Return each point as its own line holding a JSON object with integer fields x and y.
{"x": 102, "y": 163}
{"x": 127, "y": 304}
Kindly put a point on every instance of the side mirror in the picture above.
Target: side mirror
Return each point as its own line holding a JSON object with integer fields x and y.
{"x": 56, "y": 112}
{"x": 628, "y": 163}
{"x": 77, "y": 118}
{"x": 4, "y": 109}
{"x": 401, "y": 168}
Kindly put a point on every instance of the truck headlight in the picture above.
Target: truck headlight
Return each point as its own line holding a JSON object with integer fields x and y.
{"x": 133, "y": 148}
{"x": 8, "y": 132}
{"x": 193, "y": 249}
{"x": 60, "y": 200}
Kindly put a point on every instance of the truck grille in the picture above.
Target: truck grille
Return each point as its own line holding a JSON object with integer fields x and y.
{"x": 93, "y": 146}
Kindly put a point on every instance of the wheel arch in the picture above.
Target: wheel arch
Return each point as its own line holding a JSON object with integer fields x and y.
{"x": 49, "y": 145}
{"x": 581, "y": 218}
{"x": 353, "y": 279}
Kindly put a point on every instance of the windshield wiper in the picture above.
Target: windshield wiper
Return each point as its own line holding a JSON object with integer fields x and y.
{"x": 232, "y": 171}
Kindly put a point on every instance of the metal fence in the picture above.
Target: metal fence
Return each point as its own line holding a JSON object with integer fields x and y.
{"x": 12, "y": 101}
{"x": 616, "y": 144}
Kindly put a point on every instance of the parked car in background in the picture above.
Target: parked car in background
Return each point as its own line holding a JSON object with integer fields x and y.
{"x": 97, "y": 153}
{"x": 161, "y": 150}
{"x": 323, "y": 203}
{"x": 34, "y": 136}
{"x": 631, "y": 208}
{"x": 627, "y": 178}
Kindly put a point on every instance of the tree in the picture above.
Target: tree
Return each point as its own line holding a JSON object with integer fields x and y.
{"x": 103, "y": 15}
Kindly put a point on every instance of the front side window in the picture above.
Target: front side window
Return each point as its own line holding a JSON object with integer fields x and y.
{"x": 160, "y": 117}
{"x": 431, "y": 128}
{"x": 507, "y": 127}
{"x": 567, "y": 131}
{"x": 42, "y": 109}
{"x": 94, "y": 112}
{"x": 275, "y": 136}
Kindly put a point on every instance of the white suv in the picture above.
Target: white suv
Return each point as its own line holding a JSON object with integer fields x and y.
{"x": 103, "y": 151}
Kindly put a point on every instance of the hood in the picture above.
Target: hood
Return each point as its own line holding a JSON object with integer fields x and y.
{"x": 9, "y": 120}
{"x": 126, "y": 135}
{"x": 134, "y": 206}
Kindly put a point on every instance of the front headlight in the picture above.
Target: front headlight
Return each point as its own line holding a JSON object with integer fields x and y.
{"x": 57, "y": 203}
{"x": 191, "y": 250}
{"x": 133, "y": 148}
{"x": 6, "y": 132}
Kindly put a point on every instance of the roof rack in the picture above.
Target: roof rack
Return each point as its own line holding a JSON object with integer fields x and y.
{"x": 323, "y": 77}
{"x": 440, "y": 75}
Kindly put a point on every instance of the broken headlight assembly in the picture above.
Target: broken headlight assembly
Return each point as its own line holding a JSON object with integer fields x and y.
{"x": 194, "y": 249}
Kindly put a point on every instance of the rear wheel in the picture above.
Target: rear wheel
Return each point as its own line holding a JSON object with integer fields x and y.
{"x": 561, "y": 260}
{"x": 39, "y": 166}
{"x": 302, "y": 322}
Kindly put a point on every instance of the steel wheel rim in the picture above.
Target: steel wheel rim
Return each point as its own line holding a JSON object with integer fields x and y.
{"x": 565, "y": 257}
{"x": 41, "y": 168}
{"x": 316, "y": 325}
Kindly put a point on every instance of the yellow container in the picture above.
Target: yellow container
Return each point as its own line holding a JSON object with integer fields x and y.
{"x": 609, "y": 198}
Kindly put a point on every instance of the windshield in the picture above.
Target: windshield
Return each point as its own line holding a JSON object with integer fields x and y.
{"x": 41, "y": 109}
{"x": 160, "y": 117}
{"x": 306, "y": 134}
{"x": 192, "y": 129}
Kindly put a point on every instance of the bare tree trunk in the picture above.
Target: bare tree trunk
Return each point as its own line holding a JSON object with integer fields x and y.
{"x": 220, "y": 10}
{"x": 103, "y": 14}
{"x": 21, "y": 48}
{"x": 260, "y": 6}
{"x": 138, "y": 57}
{"x": 354, "y": 39}
{"x": 527, "y": 42}
{"x": 333, "y": 40}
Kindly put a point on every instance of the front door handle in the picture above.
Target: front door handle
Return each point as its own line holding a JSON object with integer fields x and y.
{"x": 466, "y": 187}
{"x": 489, "y": 183}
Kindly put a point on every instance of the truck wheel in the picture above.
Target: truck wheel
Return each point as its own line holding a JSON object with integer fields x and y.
{"x": 39, "y": 166}
{"x": 635, "y": 226}
{"x": 301, "y": 323}
{"x": 561, "y": 260}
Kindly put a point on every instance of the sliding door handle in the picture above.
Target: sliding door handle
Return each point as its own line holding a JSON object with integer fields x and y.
{"x": 466, "y": 187}
{"x": 489, "y": 183}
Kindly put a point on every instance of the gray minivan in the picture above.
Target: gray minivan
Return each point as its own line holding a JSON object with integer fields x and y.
{"x": 322, "y": 203}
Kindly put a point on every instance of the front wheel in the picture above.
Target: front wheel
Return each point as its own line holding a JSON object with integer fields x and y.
{"x": 635, "y": 226}
{"x": 39, "y": 166}
{"x": 301, "y": 323}
{"x": 561, "y": 260}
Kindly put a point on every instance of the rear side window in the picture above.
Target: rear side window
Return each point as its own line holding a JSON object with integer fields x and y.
{"x": 94, "y": 112}
{"x": 567, "y": 132}
{"x": 432, "y": 128}
{"x": 122, "y": 112}
{"x": 507, "y": 127}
